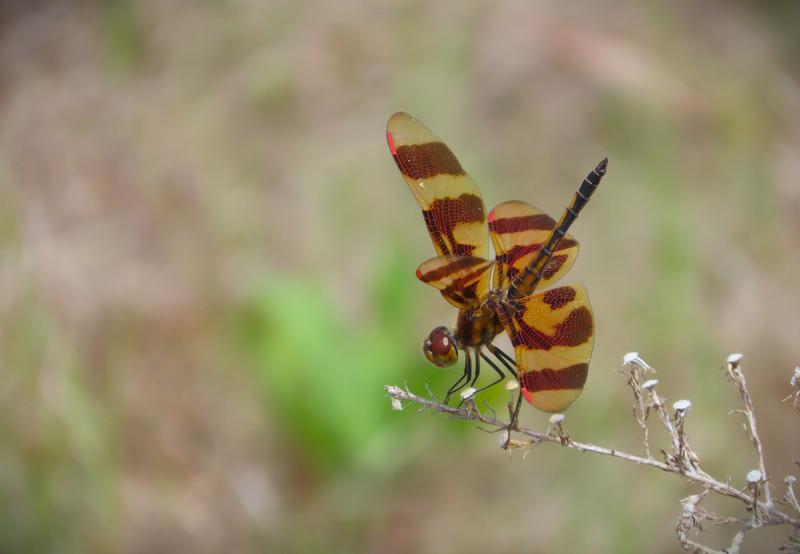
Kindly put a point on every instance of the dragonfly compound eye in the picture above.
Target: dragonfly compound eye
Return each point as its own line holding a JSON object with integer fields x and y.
{"x": 440, "y": 347}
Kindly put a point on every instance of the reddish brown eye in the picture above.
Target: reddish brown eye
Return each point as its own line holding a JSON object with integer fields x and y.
{"x": 440, "y": 347}
{"x": 440, "y": 344}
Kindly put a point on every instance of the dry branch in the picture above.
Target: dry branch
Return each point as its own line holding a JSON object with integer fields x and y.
{"x": 680, "y": 459}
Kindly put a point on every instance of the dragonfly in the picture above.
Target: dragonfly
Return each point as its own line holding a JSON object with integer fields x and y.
{"x": 551, "y": 329}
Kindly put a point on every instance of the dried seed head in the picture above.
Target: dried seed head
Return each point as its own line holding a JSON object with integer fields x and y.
{"x": 682, "y": 405}
{"x": 733, "y": 360}
{"x": 633, "y": 358}
{"x": 630, "y": 357}
{"x": 397, "y": 406}
{"x": 649, "y": 384}
{"x": 753, "y": 476}
{"x": 795, "y": 380}
{"x": 504, "y": 439}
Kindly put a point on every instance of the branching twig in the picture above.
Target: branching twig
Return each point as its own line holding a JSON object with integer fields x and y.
{"x": 791, "y": 497}
{"x": 539, "y": 437}
{"x": 735, "y": 374}
{"x": 681, "y": 460}
{"x": 794, "y": 382}
{"x": 641, "y": 406}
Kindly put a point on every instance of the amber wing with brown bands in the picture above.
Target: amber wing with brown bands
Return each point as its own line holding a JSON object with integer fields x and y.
{"x": 450, "y": 200}
{"x": 518, "y": 231}
{"x": 553, "y": 335}
{"x": 463, "y": 280}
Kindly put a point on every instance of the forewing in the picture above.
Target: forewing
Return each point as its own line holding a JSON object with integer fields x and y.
{"x": 450, "y": 200}
{"x": 553, "y": 335}
{"x": 463, "y": 280}
{"x": 518, "y": 231}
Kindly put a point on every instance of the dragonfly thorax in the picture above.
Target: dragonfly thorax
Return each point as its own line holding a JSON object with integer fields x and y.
{"x": 477, "y": 327}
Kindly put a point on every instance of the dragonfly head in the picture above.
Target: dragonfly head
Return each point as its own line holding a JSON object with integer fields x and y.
{"x": 440, "y": 347}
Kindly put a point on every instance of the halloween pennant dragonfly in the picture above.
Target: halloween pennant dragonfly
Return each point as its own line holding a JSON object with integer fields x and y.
{"x": 552, "y": 331}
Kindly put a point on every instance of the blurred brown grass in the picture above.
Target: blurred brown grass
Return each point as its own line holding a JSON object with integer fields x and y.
{"x": 207, "y": 260}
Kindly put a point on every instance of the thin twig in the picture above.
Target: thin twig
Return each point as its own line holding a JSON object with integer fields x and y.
{"x": 791, "y": 497}
{"x": 658, "y": 404}
{"x": 692, "y": 517}
{"x": 794, "y": 382}
{"x": 701, "y": 478}
{"x": 736, "y": 374}
{"x": 641, "y": 407}
{"x": 682, "y": 460}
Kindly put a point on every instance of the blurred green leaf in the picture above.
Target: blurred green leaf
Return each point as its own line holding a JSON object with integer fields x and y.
{"x": 321, "y": 377}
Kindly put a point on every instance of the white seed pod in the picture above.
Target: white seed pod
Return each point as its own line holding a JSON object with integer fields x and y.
{"x": 633, "y": 358}
{"x": 555, "y": 419}
{"x": 504, "y": 439}
{"x": 630, "y": 357}
{"x": 753, "y": 476}
{"x": 734, "y": 359}
{"x": 512, "y": 385}
{"x": 650, "y": 384}
{"x": 468, "y": 393}
{"x": 397, "y": 406}
{"x": 682, "y": 405}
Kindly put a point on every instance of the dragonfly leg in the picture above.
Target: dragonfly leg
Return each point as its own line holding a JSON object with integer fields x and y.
{"x": 512, "y": 424}
{"x": 477, "y": 368}
{"x": 508, "y": 362}
{"x": 504, "y": 358}
{"x": 466, "y": 376}
{"x": 497, "y": 370}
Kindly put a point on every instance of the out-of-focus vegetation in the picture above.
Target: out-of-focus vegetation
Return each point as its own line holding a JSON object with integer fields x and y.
{"x": 207, "y": 264}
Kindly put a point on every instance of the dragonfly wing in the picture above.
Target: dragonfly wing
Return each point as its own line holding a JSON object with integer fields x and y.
{"x": 450, "y": 200}
{"x": 462, "y": 280}
{"x": 553, "y": 335}
{"x": 518, "y": 231}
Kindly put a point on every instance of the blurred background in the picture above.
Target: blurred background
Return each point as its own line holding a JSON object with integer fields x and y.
{"x": 207, "y": 266}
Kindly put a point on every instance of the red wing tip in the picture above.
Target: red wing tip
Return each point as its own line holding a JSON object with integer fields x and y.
{"x": 419, "y": 275}
{"x": 526, "y": 393}
{"x": 389, "y": 139}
